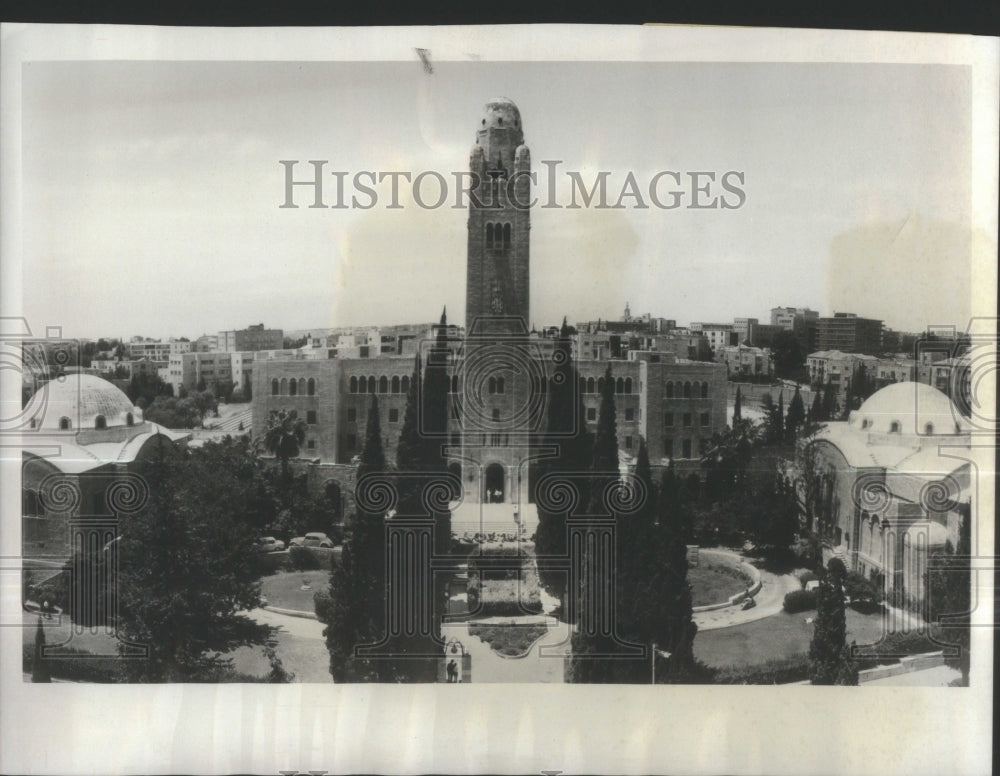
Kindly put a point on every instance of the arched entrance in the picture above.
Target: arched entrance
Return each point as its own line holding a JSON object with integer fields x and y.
{"x": 494, "y": 484}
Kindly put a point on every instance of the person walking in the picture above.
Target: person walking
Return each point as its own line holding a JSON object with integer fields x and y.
{"x": 452, "y": 671}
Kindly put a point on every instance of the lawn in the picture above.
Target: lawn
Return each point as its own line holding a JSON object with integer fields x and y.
{"x": 508, "y": 640}
{"x": 714, "y": 584}
{"x": 780, "y": 636}
{"x": 284, "y": 589}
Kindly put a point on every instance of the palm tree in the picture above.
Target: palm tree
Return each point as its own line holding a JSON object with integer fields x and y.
{"x": 284, "y": 436}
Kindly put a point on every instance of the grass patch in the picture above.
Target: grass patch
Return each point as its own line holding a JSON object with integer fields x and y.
{"x": 284, "y": 589}
{"x": 714, "y": 584}
{"x": 509, "y": 640}
{"x": 781, "y": 637}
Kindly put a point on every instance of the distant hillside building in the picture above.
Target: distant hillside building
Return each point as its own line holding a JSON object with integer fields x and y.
{"x": 849, "y": 333}
{"x": 745, "y": 361}
{"x": 251, "y": 338}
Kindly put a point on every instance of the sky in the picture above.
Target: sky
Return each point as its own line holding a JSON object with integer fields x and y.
{"x": 152, "y": 191}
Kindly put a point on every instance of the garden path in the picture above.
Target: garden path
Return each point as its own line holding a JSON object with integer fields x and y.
{"x": 490, "y": 667}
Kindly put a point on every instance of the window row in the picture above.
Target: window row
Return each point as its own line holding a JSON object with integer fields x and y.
{"x": 590, "y": 385}
{"x": 100, "y": 422}
{"x": 498, "y": 236}
{"x": 686, "y": 390}
{"x": 685, "y": 451}
{"x": 381, "y": 384}
{"x": 704, "y": 419}
{"x": 293, "y": 387}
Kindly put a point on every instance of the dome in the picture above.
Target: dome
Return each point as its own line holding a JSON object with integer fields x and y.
{"x": 82, "y": 400}
{"x": 909, "y": 408}
{"x": 501, "y": 113}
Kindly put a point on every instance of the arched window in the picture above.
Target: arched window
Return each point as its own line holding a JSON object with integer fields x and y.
{"x": 489, "y": 236}
{"x": 628, "y": 385}
{"x": 894, "y": 427}
{"x": 929, "y": 429}
{"x": 275, "y": 387}
{"x": 670, "y": 389}
{"x": 100, "y": 422}
{"x": 687, "y": 390}
{"x": 583, "y": 385}
{"x": 354, "y": 385}
{"x": 704, "y": 390}
{"x": 619, "y": 385}
{"x": 506, "y": 237}
{"x": 64, "y": 424}
{"x": 600, "y": 385}
{"x": 129, "y": 419}
{"x": 362, "y": 385}
{"x": 293, "y": 388}
{"x": 383, "y": 384}
{"x": 404, "y": 384}
{"x": 311, "y": 386}
{"x": 395, "y": 384}
{"x": 284, "y": 386}
{"x": 302, "y": 386}
{"x": 371, "y": 384}
{"x": 500, "y": 385}
{"x": 590, "y": 385}
{"x": 492, "y": 385}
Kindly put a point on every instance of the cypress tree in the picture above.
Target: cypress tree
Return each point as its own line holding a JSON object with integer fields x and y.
{"x": 796, "y": 415}
{"x": 592, "y": 589}
{"x": 566, "y": 431}
{"x": 39, "y": 668}
{"x": 738, "y": 409}
{"x": 830, "y": 659}
{"x": 410, "y": 450}
{"x": 816, "y": 410}
{"x": 435, "y": 427}
{"x": 640, "y": 560}
{"x": 779, "y": 425}
{"x": 354, "y": 610}
{"x": 829, "y": 401}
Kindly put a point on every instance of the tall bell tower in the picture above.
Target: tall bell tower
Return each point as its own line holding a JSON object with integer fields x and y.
{"x": 498, "y": 267}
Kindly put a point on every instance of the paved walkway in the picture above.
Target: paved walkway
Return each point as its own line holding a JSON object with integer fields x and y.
{"x": 491, "y": 667}
{"x": 770, "y": 601}
{"x": 939, "y": 676}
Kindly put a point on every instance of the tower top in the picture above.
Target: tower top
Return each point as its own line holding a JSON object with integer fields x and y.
{"x": 501, "y": 113}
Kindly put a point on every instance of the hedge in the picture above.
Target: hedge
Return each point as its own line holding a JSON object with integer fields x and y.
{"x": 800, "y": 601}
{"x": 777, "y": 671}
{"x": 81, "y": 666}
{"x": 894, "y": 645}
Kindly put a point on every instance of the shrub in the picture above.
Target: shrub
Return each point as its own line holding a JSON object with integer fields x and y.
{"x": 800, "y": 601}
{"x": 302, "y": 559}
{"x": 806, "y": 577}
{"x": 860, "y": 590}
{"x": 777, "y": 671}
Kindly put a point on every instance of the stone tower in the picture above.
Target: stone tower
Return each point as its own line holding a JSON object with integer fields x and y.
{"x": 499, "y": 371}
{"x": 497, "y": 270}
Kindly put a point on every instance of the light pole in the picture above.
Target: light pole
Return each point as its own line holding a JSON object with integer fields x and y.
{"x": 652, "y": 662}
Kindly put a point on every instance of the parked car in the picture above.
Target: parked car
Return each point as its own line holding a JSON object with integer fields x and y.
{"x": 312, "y": 539}
{"x": 270, "y": 544}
